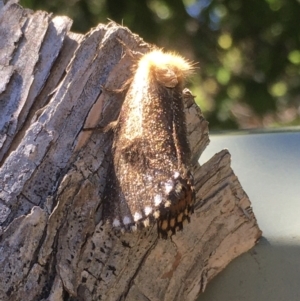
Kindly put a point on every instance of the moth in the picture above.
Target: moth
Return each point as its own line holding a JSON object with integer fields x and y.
{"x": 149, "y": 179}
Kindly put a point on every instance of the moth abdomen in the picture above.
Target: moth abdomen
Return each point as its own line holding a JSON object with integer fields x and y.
{"x": 149, "y": 177}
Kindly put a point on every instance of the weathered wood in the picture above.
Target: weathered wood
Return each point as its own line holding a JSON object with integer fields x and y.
{"x": 54, "y": 245}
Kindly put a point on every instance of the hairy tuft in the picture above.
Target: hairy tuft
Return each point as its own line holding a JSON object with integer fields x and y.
{"x": 169, "y": 69}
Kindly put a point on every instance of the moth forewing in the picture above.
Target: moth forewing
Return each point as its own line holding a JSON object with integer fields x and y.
{"x": 149, "y": 178}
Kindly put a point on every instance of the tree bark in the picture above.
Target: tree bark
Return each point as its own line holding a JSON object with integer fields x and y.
{"x": 54, "y": 244}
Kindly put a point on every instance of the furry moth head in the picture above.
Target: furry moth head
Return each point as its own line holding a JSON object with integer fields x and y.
{"x": 168, "y": 69}
{"x": 149, "y": 178}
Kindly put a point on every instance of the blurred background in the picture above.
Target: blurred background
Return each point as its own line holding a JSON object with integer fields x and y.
{"x": 248, "y": 52}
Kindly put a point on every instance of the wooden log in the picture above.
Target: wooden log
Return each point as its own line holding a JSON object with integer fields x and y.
{"x": 53, "y": 242}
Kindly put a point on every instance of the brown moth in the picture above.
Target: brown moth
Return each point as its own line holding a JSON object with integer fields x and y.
{"x": 149, "y": 178}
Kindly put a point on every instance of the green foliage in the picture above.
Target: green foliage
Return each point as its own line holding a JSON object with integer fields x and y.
{"x": 248, "y": 51}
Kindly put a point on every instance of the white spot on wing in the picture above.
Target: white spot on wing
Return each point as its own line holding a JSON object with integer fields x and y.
{"x": 148, "y": 210}
{"x": 167, "y": 204}
{"x": 157, "y": 199}
{"x": 137, "y": 216}
{"x": 126, "y": 220}
{"x": 178, "y": 188}
{"x": 116, "y": 223}
{"x": 168, "y": 186}
{"x": 133, "y": 228}
{"x": 156, "y": 214}
{"x": 176, "y": 174}
{"x": 146, "y": 222}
